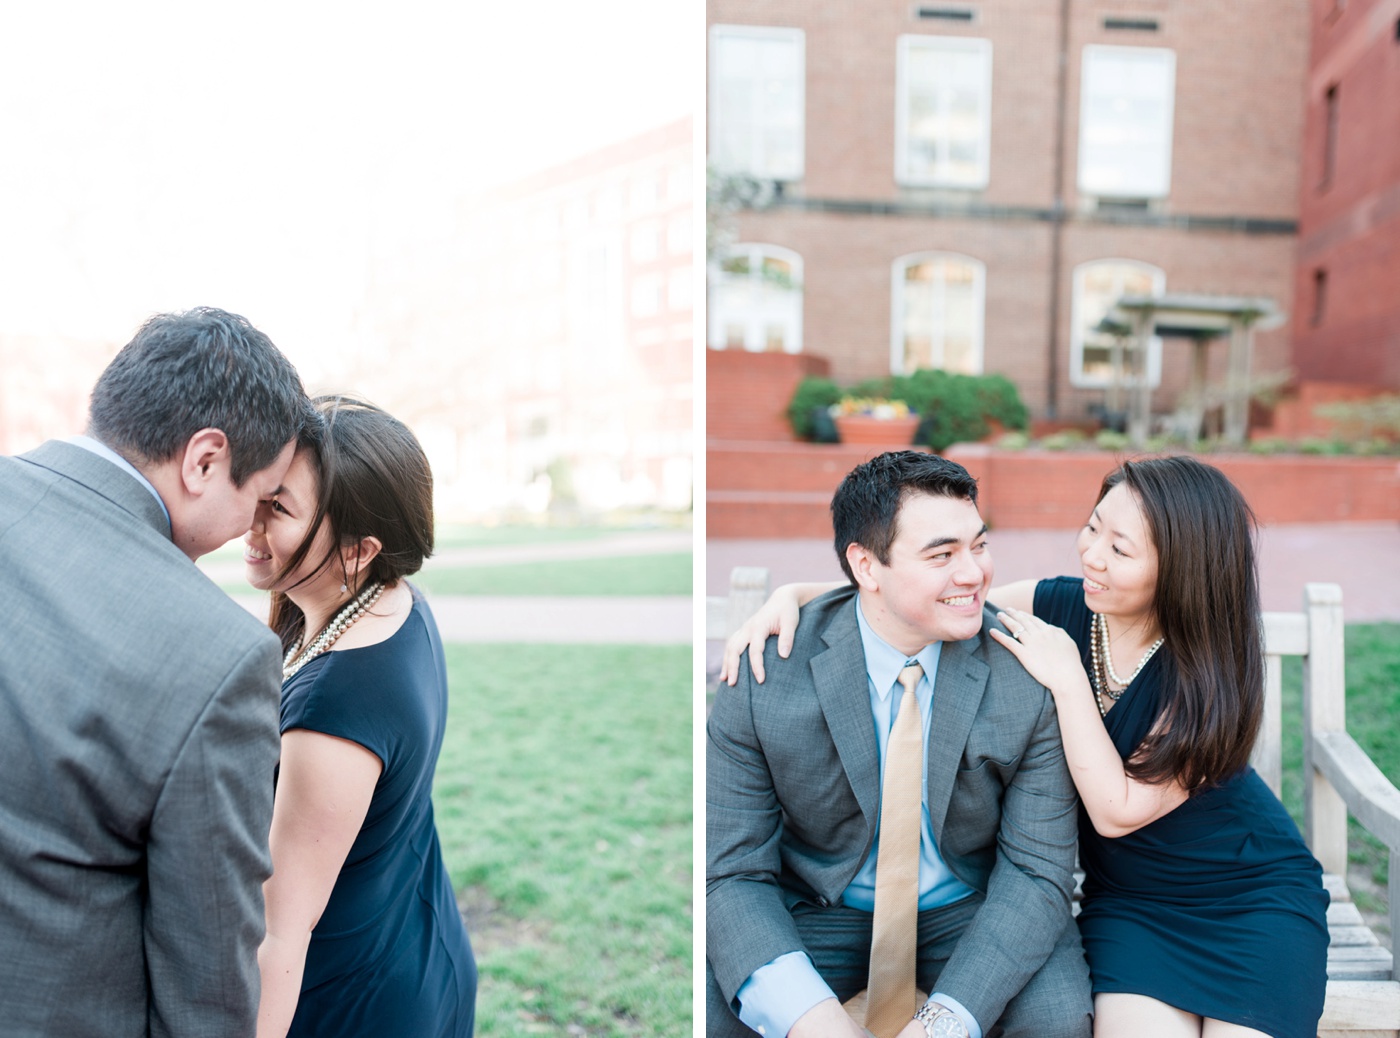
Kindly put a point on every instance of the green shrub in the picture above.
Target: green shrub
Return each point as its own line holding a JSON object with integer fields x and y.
{"x": 1108, "y": 440}
{"x": 1065, "y": 439}
{"x": 1377, "y": 417}
{"x": 1270, "y": 445}
{"x": 810, "y": 394}
{"x": 1014, "y": 441}
{"x": 1318, "y": 445}
{"x": 955, "y": 408}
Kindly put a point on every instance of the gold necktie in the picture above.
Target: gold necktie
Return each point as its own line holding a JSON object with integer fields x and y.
{"x": 891, "y": 995}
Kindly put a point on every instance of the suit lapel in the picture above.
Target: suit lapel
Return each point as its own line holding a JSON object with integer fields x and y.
{"x": 843, "y": 692}
{"x": 957, "y": 694}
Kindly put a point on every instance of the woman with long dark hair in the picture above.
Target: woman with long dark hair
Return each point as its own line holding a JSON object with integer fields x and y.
{"x": 1203, "y": 911}
{"x": 363, "y": 933}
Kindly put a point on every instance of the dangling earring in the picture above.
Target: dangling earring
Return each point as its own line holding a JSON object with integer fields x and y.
{"x": 344, "y": 588}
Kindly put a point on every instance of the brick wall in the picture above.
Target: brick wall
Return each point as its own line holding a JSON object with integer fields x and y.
{"x": 1237, "y": 130}
{"x": 747, "y": 394}
{"x": 1349, "y": 226}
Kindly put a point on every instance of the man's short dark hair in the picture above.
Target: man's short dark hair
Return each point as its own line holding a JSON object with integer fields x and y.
{"x": 865, "y": 510}
{"x": 204, "y": 368}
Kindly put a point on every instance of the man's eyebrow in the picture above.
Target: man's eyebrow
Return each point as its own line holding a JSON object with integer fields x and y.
{"x": 939, "y": 542}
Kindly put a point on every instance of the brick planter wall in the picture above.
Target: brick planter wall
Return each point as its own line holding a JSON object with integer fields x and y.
{"x": 784, "y": 490}
{"x": 747, "y": 394}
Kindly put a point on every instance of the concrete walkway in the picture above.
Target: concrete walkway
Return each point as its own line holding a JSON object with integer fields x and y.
{"x": 1364, "y": 558}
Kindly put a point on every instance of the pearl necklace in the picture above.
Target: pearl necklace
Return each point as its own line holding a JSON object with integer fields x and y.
{"x": 1103, "y": 664}
{"x": 349, "y": 613}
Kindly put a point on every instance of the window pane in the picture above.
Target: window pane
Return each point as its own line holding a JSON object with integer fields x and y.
{"x": 1125, "y": 132}
{"x": 755, "y": 301}
{"x": 943, "y": 111}
{"x": 941, "y": 306}
{"x": 757, "y": 101}
{"x": 1097, "y": 287}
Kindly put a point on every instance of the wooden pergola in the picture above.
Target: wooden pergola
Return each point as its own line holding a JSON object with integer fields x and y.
{"x": 1199, "y": 319}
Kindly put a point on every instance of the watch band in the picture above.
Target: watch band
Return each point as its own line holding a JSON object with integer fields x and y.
{"x": 940, "y": 1022}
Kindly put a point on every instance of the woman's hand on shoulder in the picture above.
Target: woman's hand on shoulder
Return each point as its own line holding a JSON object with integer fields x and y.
{"x": 779, "y": 615}
{"x": 1047, "y": 652}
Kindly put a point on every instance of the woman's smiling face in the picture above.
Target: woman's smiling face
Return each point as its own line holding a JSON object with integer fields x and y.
{"x": 280, "y": 525}
{"x": 1119, "y": 558}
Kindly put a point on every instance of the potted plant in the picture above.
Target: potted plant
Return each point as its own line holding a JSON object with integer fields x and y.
{"x": 874, "y": 420}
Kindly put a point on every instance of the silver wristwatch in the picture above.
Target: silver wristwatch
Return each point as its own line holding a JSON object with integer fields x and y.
{"x": 940, "y": 1022}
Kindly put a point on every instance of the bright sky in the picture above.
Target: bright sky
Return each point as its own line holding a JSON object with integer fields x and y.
{"x": 159, "y": 155}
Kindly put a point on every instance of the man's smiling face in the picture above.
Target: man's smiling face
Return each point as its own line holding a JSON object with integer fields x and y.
{"x": 935, "y": 582}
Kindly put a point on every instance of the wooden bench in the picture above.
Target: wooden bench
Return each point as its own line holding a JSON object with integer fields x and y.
{"x": 1363, "y": 993}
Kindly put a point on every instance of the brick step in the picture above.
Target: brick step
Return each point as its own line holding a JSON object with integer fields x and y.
{"x": 758, "y": 513}
{"x": 764, "y": 465}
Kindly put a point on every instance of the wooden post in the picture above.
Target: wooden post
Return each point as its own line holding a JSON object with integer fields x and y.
{"x": 1268, "y": 749}
{"x": 1324, "y": 710}
{"x": 1140, "y": 414}
{"x": 1237, "y": 381}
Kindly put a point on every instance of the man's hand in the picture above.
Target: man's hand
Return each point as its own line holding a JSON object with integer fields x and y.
{"x": 828, "y": 1019}
{"x": 913, "y": 1029}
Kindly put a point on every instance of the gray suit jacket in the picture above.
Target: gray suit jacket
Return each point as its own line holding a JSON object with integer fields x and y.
{"x": 138, "y": 736}
{"x": 793, "y": 794}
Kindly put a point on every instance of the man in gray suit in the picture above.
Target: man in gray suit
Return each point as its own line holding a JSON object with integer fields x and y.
{"x": 794, "y": 771}
{"x": 138, "y": 702}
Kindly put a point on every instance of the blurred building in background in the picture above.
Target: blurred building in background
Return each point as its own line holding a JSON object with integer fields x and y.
{"x": 1347, "y": 324}
{"x": 541, "y": 341}
{"x": 538, "y": 339}
{"x": 968, "y": 185}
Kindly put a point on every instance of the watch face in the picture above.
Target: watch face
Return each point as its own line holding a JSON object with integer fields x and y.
{"x": 948, "y": 1026}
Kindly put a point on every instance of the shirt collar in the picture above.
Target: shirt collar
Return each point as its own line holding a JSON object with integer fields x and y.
{"x": 883, "y": 661}
{"x": 99, "y": 448}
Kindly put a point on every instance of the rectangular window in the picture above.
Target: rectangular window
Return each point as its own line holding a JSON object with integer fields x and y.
{"x": 1329, "y": 139}
{"x": 1127, "y": 101}
{"x": 943, "y": 106}
{"x": 1319, "y": 296}
{"x": 757, "y": 98}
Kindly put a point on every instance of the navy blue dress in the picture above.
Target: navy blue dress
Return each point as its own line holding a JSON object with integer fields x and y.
{"x": 1216, "y": 908}
{"x": 390, "y": 955}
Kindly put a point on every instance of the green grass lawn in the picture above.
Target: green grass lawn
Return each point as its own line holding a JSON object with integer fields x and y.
{"x": 455, "y": 535}
{"x": 563, "y": 799}
{"x": 1373, "y": 704}
{"x": 667, "y": 574}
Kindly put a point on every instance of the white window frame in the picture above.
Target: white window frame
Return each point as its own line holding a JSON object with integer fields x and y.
{"x": 763, "y": 170}
{"x": 898, "y": 279}
{"x": 965, "y": 44}
{"x": 1100, "y": 184}
{"x": 754, "y": 343}
{"x": 1077, "y": 377}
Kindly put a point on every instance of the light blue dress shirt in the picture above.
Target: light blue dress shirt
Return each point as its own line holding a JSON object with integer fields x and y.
{"x": 779, "y": 992}
{"x": 99, "y": 448}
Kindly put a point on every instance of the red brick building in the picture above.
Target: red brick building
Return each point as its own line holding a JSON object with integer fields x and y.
{"x": 966, "y": 184}
{"x": 1347, "y": 284}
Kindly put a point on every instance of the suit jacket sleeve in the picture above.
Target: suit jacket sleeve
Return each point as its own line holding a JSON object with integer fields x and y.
{"x": 1027, "y": 903}
{"x": 207, "y": 858}
{"x": 747, "y": 923}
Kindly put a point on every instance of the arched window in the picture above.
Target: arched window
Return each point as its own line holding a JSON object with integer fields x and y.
{"x": 1097, "y": 286}
{"x": 756, "y": 300}
{"x": 936, "y": 313}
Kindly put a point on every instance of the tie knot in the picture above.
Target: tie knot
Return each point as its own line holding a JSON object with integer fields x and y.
{"x": 909, "y": 677}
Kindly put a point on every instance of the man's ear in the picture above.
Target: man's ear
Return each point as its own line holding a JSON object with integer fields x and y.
{"x": 206, "y": 455}
{"x": 357, "y": 557}
{"x": 862, "y": 562}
